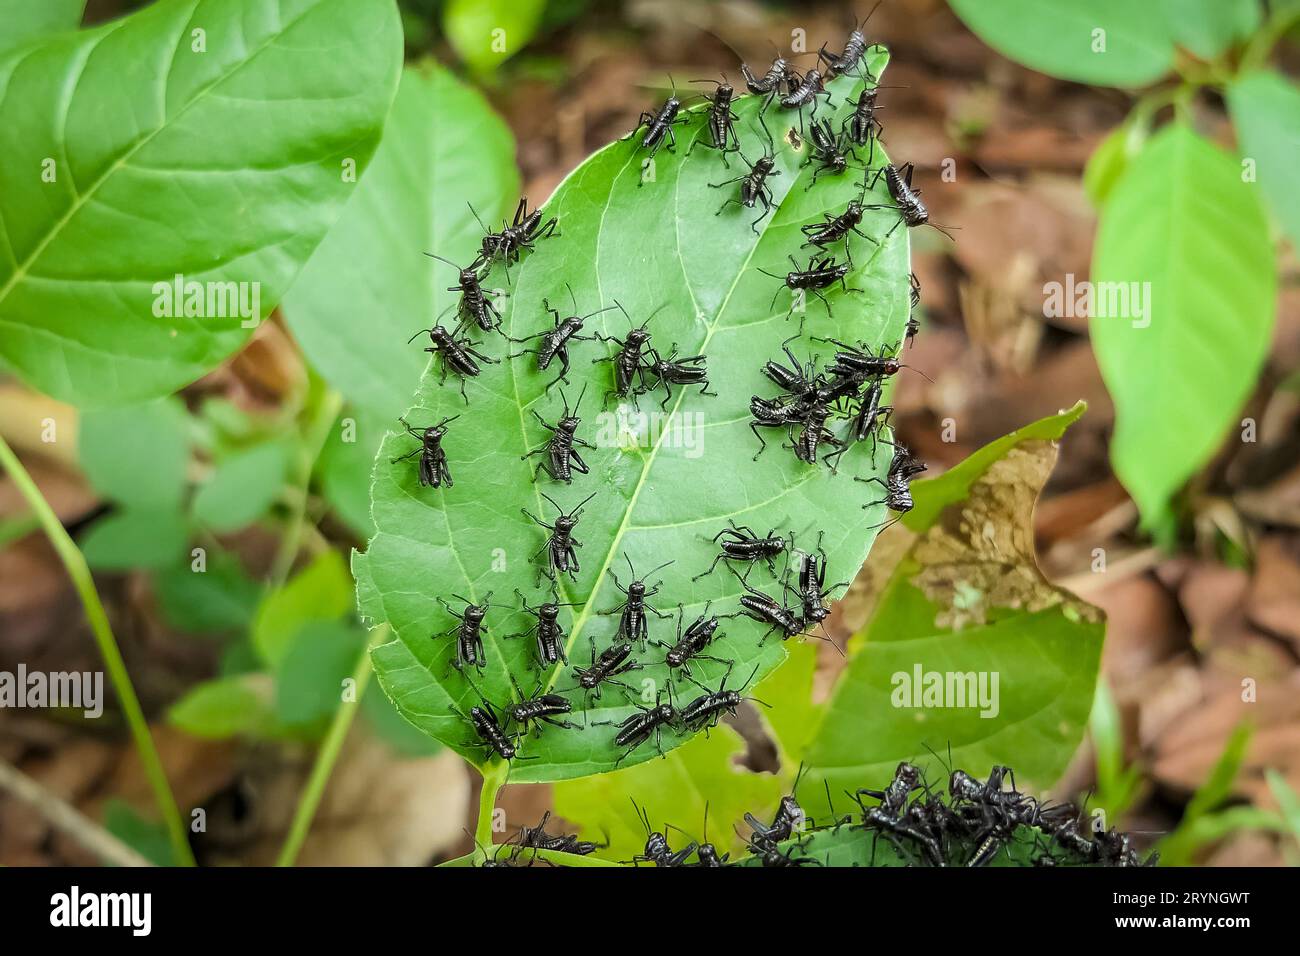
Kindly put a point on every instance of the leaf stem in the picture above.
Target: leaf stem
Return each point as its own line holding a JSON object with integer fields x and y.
{"x": 552, "y": 856}
{"x": 79, "y": 572}
{"x": 494, "y": 778}
{"x": 328, "y": 754}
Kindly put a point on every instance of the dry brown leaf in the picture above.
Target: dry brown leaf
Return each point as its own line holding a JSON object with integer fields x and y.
{"x": 980, "y": 553}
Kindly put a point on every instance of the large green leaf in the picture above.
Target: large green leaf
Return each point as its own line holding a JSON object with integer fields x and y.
{"x": 967, "y": 599}
{"x": 369, "y": 285}
{"x": 1266, "y": 109}
{"x": 1185, "y": 237}
{"x": 24, "y": 20}
{"x": 1061, "y": 38}
{"x": 255, "y": 121}
{"x": 661, "y": 496}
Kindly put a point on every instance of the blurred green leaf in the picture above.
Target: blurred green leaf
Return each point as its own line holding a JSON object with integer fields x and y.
{"x": 139, "y": 455}
{"x": 343, "y": 468}
{"x": 25, "y": 20}
{"x": 146, "y": 837}
{"x": 220, "y": 598}
{"x": 225, "y": 707}
{"x": 1179, "y": 847}
{"x": 792, "y": 716}
{"x": 1287, "y": 800}
{"x": 242, "y": 487}
{"x": 113, "y": 137}
{"x": 486, "y": 33}
{"x": 394, "y": 729}
{"x": 320, "y": 592}
{"x": 369, "y": 286}
{"x": 1117, "y": 782}
{"x": 673, "y": 790}
{"x": 1135, "y": 46}
{"x": 309, "y": 677}
{"x": 967, "y": 602}
{"x": 135, "y": 538}
{"x": 1183, "y": 235}
{"x": 1265, "y": 107}
{"x": 1210, "y": 27}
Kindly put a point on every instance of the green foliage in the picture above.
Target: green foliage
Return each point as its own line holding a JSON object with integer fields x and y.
{"x": 137, "y": 456}
{"x": 648, "y": 246}
{"x": 1061, "y": 38}
{"x": 143, "y": 127}
{"x": 1179, "y": 847}
{"x": 25, "y": 20}
{"x": 485, "y": 33}
{"x": 309, "y": 678}
{"x": 1044, "y": 645}
{"x": 221, "y": 598}
{"x": 242, "y": 487}
{"x": 1266, "y": 109}
{"x": 1181, "y": 224}
{"x": 368, "y": 286}
{"x": 135, "y": 538}
{"x": 225, "y": 707}
{"x": 1118, "y": 782}
{"x": 678, "y": 789}
{"x": 147, "y": 838}
{"x": 320, "y": 592}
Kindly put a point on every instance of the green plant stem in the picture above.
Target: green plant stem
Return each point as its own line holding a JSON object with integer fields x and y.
{"x": 314, "y": 438}
{"x": 79, "y": 572}
{"x": 1262, "y": 45}
{"x": 328, "y": 755}
{"x": 551, "y": 856}
{"x": 494, "y": 778}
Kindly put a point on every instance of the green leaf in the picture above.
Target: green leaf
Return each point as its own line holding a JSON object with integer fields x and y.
{"x": 1209, "y": 27}
{"x": 675, "y": 790}
{"x": 369, "y": 286}
{"x": 226, "y": 707}
{"x": 242, "y": 487}
{"x": 1117, "y": 782}
{"x": 146, "y": 837}
{"x": 343, "y": 468}
{"x": 663, "y": 494}
{"x": 1178, "y": 848}
{"x": 1287, "y": 800}
{"x": 1265, "y": 107}
{"x": 320, "y": 592}
{"x": 137, "y": 456}
{"x": 136, "y": 538}
{"x": 144, "y": 122}
{"x": 309, "y": 677}
{"x": 1110, "y": 159}
{"x": 25, "y": 20}
{"x": 486, "y": 33}
{"x": 967, "y": 606}
{"x": 219, "y": 598}
{"x": 392, "y": 728}
{"x": 792, "y": 716}
{"x": 1062, "y": 39}
{"x": 1185, "y": 237}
